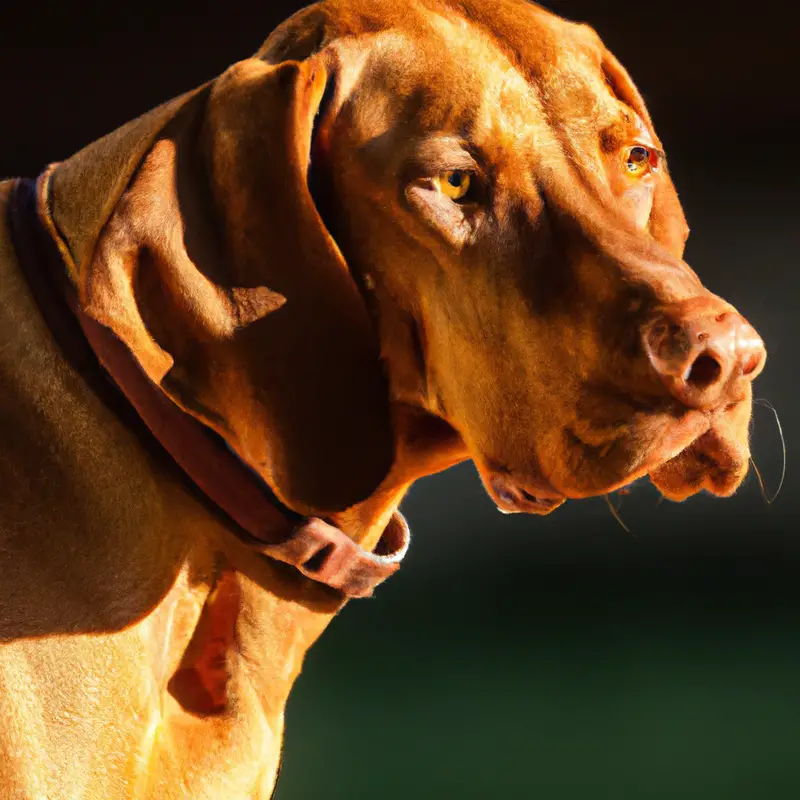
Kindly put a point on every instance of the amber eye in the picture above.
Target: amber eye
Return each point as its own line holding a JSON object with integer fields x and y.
{"x": 641, "y": 160}
{"x": 455, "y": 184}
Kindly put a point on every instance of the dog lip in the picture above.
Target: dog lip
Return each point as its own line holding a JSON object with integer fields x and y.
{"x": 545, "y": 502}
{"x": 711, "y": 462}
{"x": 514, "y": 495}
{"x": 611, "y": 463}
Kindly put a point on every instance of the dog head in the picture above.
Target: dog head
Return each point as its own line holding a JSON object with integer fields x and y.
{"x": 462, "y": 208}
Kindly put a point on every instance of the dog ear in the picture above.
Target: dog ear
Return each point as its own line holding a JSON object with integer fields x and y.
{"x": 195, "y": 239}
{"x": 667, "y": 220}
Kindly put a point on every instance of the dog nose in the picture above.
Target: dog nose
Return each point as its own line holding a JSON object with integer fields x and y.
{"x": 703, "y": 350}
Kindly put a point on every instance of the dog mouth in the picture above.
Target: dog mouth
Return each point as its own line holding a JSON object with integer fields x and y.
{"x": 683, "y": 456}
{"x": 696, "y": 453}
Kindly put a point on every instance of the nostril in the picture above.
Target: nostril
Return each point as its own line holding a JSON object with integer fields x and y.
{"x": 751, "y": 364}
{"x": 704, "y": 372}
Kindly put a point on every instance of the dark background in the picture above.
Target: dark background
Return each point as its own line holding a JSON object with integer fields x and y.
{"x": 522, "y": 657}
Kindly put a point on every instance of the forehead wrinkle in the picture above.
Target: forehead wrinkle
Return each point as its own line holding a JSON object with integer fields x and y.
{"x": 560, "y": 60}
{"x": 509, "y": 109}
{"x": 388, "y": 81}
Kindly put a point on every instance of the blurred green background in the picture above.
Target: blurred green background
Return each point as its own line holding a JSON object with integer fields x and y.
{"x": 562, "y": 659}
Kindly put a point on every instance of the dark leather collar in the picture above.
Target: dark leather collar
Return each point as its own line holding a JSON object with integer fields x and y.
{"x": 255, "y": 514}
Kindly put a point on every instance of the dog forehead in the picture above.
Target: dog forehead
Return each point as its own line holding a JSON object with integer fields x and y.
{"x": 445, "y": 52}
{"x": 488, "y": 66}
{"x": 561, "y": 59}
{"x": 452, "y": 77}
{"x": 531, "y": 67}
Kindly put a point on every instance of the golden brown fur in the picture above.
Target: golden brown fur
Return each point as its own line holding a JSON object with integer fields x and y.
{"x": 272, "y": 250}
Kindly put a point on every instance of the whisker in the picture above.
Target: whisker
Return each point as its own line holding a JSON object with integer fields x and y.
{"x": 615, "y": 514}
{"x": 760, "y": 480}
{"x": 770, "y": 500}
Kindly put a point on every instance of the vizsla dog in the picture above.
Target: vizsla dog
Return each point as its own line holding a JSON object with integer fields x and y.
{"x": 235, "y": 331}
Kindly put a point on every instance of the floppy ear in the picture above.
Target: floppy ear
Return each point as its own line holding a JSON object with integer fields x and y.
{"x": 667, "y": 221}
{"x": 213, "y": 266}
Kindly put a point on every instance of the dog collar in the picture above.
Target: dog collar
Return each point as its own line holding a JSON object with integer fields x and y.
{"x": 318, "y": 551}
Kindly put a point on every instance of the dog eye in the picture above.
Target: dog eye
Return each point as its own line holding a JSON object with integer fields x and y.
{"x": 641, "y": 160}
{"x": 454, "y": 184}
